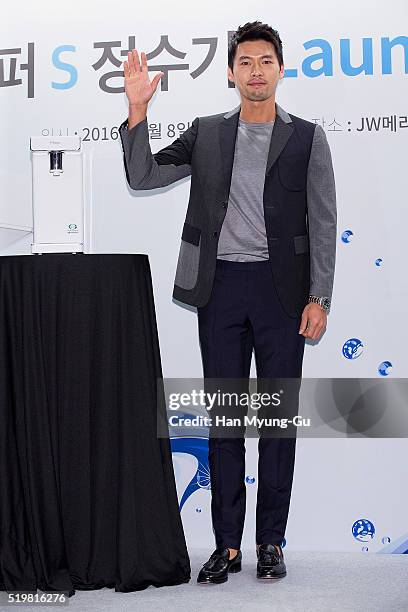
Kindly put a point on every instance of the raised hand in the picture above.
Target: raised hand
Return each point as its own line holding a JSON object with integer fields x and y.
{"x": 138, "y": 87}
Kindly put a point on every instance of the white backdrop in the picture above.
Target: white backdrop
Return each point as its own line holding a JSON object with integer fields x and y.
{"x": 337, "y": 482}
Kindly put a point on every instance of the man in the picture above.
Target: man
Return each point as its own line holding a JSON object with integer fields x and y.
{"x": 257, "y": 259}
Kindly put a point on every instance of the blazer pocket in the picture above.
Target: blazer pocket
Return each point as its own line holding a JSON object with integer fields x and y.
{"x": 301, "y": 244}
{"x": 191, "y": 234}
{"x": 189, "y": 257}
{"x": 293, "y": 171}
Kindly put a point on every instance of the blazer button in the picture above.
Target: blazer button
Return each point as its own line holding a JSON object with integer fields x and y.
{"x": 215, "y": 234}
{"x": 224, "y": 204}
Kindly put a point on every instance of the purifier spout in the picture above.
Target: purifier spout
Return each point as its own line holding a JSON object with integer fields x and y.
{"x": 56, "y": 162}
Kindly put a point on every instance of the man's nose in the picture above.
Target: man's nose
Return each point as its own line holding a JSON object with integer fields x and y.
{"x": 256, "y": 69}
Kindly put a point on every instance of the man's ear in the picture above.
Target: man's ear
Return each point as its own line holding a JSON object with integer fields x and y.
{"x": 230, "y": 75}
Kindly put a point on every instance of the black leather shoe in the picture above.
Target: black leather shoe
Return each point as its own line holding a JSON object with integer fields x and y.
{"x": 270, "y": 562}
{"x": 216, "y": 569}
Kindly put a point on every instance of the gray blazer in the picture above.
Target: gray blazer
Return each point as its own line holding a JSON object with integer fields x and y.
{"x": 299, "y": 171}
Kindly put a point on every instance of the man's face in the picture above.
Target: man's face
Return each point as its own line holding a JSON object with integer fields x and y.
{"x": 256, "y": 70}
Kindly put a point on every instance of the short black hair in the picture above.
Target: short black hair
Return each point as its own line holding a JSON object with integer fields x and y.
{"x": 255, "y": 30}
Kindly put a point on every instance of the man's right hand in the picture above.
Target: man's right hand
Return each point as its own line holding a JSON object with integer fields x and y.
{"x": 138, "y": 87}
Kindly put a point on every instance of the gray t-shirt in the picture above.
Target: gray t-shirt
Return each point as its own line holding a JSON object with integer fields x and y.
{"x": 243, "y": 233}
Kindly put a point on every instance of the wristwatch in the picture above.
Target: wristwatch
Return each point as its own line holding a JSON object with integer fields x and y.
{"x": 324, "y": 302}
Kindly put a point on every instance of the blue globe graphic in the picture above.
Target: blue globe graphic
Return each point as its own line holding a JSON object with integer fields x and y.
{"x": 352, "y": 348}
{"x": 384, "y": 368}
{"x": 363, "y": 530}
{"x": 347, "y": 236}
{"x": 250, "y": 479}
{"x": 378, "y": 262}
{"x": 203, "y": 477}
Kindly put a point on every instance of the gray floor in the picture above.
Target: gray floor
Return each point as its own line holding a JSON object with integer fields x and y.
{"x": 315, "y": 582}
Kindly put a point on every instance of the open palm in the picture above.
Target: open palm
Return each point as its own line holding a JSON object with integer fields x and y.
{"x": 138, "y": 87}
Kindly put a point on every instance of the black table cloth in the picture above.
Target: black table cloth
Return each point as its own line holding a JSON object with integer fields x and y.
{"x": 87, "y": 489}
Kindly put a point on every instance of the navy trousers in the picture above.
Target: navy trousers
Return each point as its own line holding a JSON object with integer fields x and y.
{"x": 243, "y": 315}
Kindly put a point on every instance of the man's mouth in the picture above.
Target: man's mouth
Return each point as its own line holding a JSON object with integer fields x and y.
{"x": 256, "y": 83}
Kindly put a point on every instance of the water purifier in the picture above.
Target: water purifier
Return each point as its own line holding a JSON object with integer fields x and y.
{"x": 57, "y": 194}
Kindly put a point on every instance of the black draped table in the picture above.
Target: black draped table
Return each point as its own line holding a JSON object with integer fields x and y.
{"x": 87, "y": 490}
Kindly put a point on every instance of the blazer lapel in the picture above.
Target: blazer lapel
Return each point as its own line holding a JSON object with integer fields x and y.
{"x": 282, "y": 131}
{"x": 228, "y": 134}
